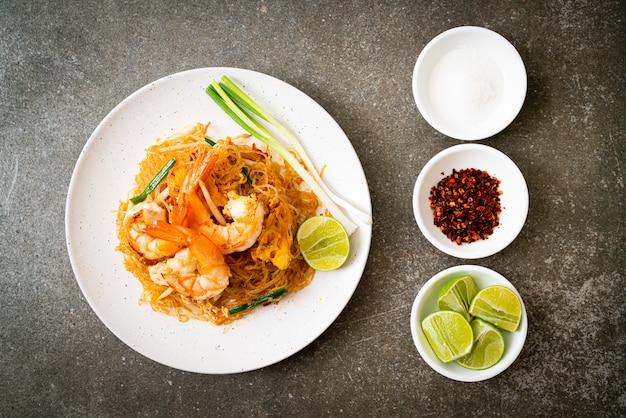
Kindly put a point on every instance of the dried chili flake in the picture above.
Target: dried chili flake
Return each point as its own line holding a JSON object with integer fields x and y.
{"x": 466, "y": 205}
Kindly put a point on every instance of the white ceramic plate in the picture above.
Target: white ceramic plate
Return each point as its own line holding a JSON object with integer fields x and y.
{"x": 513, "y": 200}
{"x": 103, "y": 175}
{"x": 426, "y": 303}
{"x": 469, "y": 83}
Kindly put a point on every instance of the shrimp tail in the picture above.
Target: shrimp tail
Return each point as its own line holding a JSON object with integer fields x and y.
{"x": 199, "y": 171}
{"x": 169, "y": 232}
{"x": 201, "y": 168}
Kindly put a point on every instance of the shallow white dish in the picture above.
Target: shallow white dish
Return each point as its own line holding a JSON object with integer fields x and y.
{"x": 426, "y": 303}
{"x": 104, "y": 173}
{"x": 513, "y": 200}
{"x": 469, "y": 83}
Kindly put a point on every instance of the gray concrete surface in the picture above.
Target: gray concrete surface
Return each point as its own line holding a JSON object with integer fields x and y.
{"x": 65, "y": 65}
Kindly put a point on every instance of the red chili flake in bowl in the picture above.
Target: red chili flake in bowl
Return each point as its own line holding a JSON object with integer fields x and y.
{"x": 466, "y": 205}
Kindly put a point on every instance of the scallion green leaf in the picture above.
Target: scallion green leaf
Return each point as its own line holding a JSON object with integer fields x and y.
{"x": 246, "y": 173}
{"x": 154, "y": 182}
{"x": 270, "y": 297}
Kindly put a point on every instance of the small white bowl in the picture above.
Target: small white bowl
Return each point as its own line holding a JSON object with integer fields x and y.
{"x": 469, "y": 83}
{"x": 513, "y": 200}
{"x": 426, "y": 303}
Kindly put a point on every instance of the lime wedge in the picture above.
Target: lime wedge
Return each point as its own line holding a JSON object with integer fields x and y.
{"x": 449, "y": 335}
{"x": 499, "y": 306}
{"x": 324, "y": 243}
{"x": 488, "y": 346}
{"x": 457, "y": 294}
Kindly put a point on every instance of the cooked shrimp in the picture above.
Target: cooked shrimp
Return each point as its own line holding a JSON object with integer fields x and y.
{"x": 137, "y": 218}
{"x": 247, "y": 214}
{"x": 197, "y": 271}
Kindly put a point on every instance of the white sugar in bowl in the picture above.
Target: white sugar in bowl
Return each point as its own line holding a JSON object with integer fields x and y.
{"x": 469, "y": 83}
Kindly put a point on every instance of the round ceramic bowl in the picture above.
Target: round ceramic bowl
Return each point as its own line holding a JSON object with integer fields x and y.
{"x": 513, "y": 200}
{"x": 426, "y": 303}
{"x": 469, "y": 83}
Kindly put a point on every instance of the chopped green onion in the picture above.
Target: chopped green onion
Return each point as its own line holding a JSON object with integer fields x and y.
{"x": 237, "y": 104}
{"x": 209, "y": 141}
{"x": 154, "y": 182}
{"x": 257, "y": 301}
{"x": 246, "y": 173}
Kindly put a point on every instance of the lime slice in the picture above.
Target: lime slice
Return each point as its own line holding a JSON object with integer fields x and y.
{"x": 488, "y": 346}
{"x": 457, "y": 294}
{"x": 323, "y": 242}
{"x": 498, "y": 305}
{"x": 449, "y": 335}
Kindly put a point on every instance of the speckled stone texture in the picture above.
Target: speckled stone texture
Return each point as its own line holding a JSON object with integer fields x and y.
{"x": 65, "y": 65}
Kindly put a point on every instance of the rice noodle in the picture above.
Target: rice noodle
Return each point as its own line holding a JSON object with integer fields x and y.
{"x": 274, "y": 261}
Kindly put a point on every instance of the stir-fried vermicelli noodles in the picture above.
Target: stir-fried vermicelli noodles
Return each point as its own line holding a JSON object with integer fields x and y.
{"x": 218, "y": 231}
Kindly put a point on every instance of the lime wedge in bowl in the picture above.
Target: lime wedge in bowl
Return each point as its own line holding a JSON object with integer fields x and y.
{"x": 498, "y": 305}
{"x": 457, "y": 295}
{"x": 488, "y": 347}
{"x": 449, "y": 335}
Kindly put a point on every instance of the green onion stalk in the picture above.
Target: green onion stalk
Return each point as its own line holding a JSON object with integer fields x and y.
{"x": 241, "y": 108}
